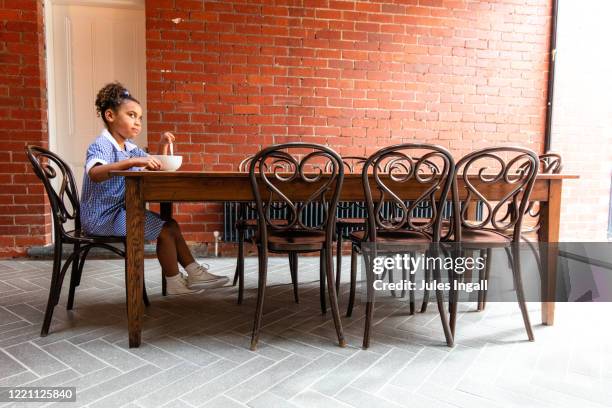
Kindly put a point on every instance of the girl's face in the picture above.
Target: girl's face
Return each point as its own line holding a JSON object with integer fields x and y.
{"x": 126, "y": 121}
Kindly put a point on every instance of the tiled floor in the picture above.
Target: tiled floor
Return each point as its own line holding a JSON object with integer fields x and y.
{"x": 195, "y": 349}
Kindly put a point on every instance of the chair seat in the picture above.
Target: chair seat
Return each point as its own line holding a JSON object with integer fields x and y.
{"x": 78, "y": 236}
{"x": 420, "y": 221}
{"x": 251, "y": 223}
{"x": 402, "y": 236}
{"x": 296, "y": 241}
{"x": 351, "y": 222}
{"x": 483, "y": 239}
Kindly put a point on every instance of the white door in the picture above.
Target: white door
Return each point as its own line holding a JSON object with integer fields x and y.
{"x": 89, "y": 46}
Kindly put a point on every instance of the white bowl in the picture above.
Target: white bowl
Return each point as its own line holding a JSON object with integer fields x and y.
{"x": 169, "y": 163}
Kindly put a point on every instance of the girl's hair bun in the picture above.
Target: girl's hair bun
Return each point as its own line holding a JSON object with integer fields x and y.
{"x": 111, "y": 96}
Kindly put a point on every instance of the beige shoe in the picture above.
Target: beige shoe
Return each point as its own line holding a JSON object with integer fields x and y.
{"x": 178, "y": 286}
{"x": 201, "y": 278}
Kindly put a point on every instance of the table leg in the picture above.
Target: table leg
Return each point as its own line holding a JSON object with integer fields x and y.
{"x": 134, "y": 252}
{"x": 549, "y": 234}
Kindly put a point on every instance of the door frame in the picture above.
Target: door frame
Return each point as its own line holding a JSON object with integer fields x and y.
{"x": 49, "y": 52}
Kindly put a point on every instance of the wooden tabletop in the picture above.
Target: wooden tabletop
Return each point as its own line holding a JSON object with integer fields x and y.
{"x": 220, "y": 186}
{"x": 232, "y": 174}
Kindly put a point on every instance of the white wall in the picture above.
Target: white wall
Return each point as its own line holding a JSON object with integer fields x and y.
{"x": 582, "y": 116}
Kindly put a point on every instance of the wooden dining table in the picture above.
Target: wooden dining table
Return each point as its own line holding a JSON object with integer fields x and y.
{"x": 212, "y": 186}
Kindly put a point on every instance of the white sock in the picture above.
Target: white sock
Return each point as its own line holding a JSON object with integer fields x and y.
{"x": 192, "y": 268}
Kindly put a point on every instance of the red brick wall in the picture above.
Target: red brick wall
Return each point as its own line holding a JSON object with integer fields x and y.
{"x": 230, "y": 77}
{"x": 24, "y": 216}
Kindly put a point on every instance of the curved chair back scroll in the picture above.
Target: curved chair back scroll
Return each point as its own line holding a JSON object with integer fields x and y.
{"x": 516, "y": 175}
{"x": 352, "y": 165}
{"x": 274, "y": 170}
{"x": 64, "y": 199}
{"x": 550, "y": 163}
{"x": 431, "y": 166}
{"x": 272, "y": 165}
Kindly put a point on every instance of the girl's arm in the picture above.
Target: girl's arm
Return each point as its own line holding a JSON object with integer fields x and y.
{"x": 166, "y": 139}
{"x": 100, "y": 172}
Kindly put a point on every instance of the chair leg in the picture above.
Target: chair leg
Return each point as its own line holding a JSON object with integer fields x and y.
{"x": 322, "y": 273}
{"x": 391, "y": 280}
{"x": 164, "y": 285}
{"x": 369, "y": 313}
{"x": 74, "y": 275}
{"x": 482, "y": 275}
{"x": 411, "y": 278}
{"x": 82, "y": 264}
{"x": 488, "y": 263}
{"x": 293, "y": 269}
{"x": 534, "y": 249}
{"x": 518, "y": 283}
{"x": 453, "y": 298}
{"x": 262, "y": 255}
{"x": 239, "y": 274}
{"x": 453, "y": 295}
{"x": 54, "y": 289}
{"x": 77, "y": 280}
{"x": 453, "y": 307}
{"x": 427, "y": 279}
{"x": 338, "y": 259}
{"x": 440, "y": 298}
{"x": 349, "y": 309}
{"x": 333, "y": 299}
{"x": 145, "y": 297}
{"x": 236, "y": 273}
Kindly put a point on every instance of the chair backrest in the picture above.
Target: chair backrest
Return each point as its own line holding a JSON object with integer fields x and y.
{"x": 243, "y": 166}
{"x": 280, "y": 168}
{"x": 64, "y": 198}
{"x": 276, "y": 165}
{"x": 551, "y": 163}
{"x": 352, "y": 164}
{"x": 515, "y": 170}
{"x": 430, "y": 166}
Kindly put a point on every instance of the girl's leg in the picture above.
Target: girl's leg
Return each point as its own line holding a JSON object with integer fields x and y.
{"x": 185, "y": 257}
{"x": 167, "y": 250}
{"x": 172, "y": 249}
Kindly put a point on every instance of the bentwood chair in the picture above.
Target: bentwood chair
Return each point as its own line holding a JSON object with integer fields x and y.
{"x": 65, "y": 207}
{"x": 550, "y": 163}
{"x": 513, "y": 169}
{"x": 244, "y": 224}
{"x": 299, "y": 168}
{"x": 400, "y": 229}
{"x": 420, "y": 207}
{"x": 345, "y": 224}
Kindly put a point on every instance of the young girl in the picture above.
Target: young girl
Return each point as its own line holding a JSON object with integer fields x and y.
{"x": 103, "y": 205}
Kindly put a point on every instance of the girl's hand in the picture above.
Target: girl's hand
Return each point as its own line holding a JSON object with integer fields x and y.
{"x": 167, "y": 138}
{"x": 149, "y": 163}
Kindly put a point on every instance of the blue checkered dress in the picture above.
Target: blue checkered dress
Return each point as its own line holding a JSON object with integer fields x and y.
{"x": 103, "y": 203}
